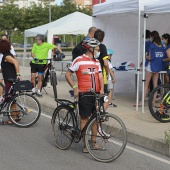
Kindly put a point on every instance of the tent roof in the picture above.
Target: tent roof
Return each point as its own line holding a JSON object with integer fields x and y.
{"x": 75, "y": 23}
{"x": 124, "y": 6}
{"x": 159, "y": 7}
{"x": 115, "y": 6}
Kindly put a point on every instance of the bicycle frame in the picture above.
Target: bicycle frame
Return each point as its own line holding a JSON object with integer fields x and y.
{"x": 72, "y": 105}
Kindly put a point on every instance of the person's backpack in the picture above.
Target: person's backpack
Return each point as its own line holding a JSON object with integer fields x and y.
{"x": 78, "y": 51}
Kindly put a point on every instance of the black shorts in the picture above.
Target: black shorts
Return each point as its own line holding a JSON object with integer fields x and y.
{"x": 37, "y": 68}
{"x": 106, "y": 89}
{"x": 86, "y": 105}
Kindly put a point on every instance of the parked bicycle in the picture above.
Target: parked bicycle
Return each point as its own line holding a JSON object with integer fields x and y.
{"x": 159, "y": 103}
{"x": 112, "y": 134}
{"x": 21, "y": 108}
{"x": 49, "y": 74}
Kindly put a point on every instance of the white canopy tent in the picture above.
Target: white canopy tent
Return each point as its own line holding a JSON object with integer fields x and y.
{"x": 123, "y": 25}
{"x": 76, "y": 23}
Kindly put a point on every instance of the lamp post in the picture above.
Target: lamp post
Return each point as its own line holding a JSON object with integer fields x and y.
{"x": 49, "y": 10}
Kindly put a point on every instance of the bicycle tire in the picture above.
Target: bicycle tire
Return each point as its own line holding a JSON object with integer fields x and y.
{"x": 28, "y": 107}
{"x": 62, "y": 122}
{"x": 54, "y": 83}
{"x": 159, "y": 103}
{"x": 112, "y": 138}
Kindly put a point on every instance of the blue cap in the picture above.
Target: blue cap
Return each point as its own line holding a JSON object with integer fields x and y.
{"x": 110, "y": 52}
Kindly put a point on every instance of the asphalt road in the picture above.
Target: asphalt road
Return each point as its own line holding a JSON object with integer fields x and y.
{"x": 33, "y": 149}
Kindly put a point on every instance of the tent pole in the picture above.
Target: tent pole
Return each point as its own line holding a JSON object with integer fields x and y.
{"x": 138, "y": 67}
{"x": 23, "y": 61}
{"x": 143, "y": 67}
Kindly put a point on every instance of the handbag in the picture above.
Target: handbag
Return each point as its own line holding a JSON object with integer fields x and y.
{"x": 24, "y": 85}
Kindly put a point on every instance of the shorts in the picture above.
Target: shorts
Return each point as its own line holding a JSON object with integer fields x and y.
{"x": 8, "y": 85}
{"x": 110, "y": 85}
{"x": 37, "y": 68}
{"x": 148, "y": 68}
{"x": 105, "y": 88}
{"x": 86, "y": 104}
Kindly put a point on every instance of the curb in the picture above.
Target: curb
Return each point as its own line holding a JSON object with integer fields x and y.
{"x": 148, "y": 143}
{"x": 133, "y": 138}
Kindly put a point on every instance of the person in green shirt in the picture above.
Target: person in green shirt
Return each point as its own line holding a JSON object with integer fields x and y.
{"x": 39, "y": 52}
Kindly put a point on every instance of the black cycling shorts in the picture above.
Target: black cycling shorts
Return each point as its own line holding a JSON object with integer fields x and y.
{"x": 86, "y": 104}
{"x": 37, "y": 68}
{"x": 106, "y": 89}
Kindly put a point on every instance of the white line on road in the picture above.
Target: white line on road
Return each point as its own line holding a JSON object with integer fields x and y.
{"x": 45, "y": 115}
{"x": 131, "y": 148}
{"x": 148, "y": 154}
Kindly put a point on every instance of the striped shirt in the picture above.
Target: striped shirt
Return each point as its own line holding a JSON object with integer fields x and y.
{"x": 87, "y": 72}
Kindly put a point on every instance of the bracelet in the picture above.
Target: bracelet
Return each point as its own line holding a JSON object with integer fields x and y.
{"x": 74, "y": 87}
{"x": 18, "y": 74}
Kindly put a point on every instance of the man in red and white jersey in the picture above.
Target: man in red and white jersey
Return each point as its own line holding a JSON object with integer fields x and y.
{"x": 89, "y": 75}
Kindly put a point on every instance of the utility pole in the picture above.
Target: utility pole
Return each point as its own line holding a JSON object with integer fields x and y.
{"x": 49, "y": 10}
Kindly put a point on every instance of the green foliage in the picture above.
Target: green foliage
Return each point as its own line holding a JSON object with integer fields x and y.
{"x": 10, "y": 17}
{"x": 15, "y": 20}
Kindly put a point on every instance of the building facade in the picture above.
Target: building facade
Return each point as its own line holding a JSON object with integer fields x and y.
{"x": 94, "y": 2}
{"x": 25, "y": 3}
{"x": 90, "y": 3}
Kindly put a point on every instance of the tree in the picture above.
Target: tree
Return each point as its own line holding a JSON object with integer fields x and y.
{"x": 16, "y": 20}
{"x": 10, "y": 17}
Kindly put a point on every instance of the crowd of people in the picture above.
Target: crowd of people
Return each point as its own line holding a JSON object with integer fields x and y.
{"x": 157, "y": 50}
{"x": 96, "y": 71}
{"x": 91, "y": 63}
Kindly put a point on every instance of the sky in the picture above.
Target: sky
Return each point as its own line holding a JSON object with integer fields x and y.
{"x": 58, "y": 2}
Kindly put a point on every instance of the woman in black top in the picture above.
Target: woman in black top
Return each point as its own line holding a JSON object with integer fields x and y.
{"x": 9, "y": 66}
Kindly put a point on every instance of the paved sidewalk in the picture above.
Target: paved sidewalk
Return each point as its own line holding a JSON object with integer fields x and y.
{"x": 143, "y": 129}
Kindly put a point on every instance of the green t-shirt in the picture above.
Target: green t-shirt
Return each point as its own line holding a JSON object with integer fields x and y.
{"x": 41, "y": 51}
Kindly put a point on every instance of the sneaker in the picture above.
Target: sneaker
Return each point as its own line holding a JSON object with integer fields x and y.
{"x": 39, "y": 94}
{"x": 112, "y": 105}
{"x": 33, "y": 90}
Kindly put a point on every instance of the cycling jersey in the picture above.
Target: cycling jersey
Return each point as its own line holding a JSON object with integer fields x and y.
{"x": 87, "y": 71}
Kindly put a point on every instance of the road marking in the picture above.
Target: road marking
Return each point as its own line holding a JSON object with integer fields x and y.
{"x": 45, "y": 115}
{"x": 130, "y": 148}
{"x": 148, "y": 154}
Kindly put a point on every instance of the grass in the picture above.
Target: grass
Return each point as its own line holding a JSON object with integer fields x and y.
{"x": 167, "y": 137}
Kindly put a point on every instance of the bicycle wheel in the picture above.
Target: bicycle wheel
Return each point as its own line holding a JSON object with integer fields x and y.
{"x": 54, "y": 83}
{"x": 110, "y": 140}
{"x": 62, "y": 124}
{"x": 24, "y": 110}
{"x": 159, "y": 103}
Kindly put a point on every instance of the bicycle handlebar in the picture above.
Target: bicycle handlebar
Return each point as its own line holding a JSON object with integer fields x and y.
{"x": 105, "y": 98}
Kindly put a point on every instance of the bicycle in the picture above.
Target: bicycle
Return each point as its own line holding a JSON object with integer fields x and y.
{"x": 49, "y": 71}
{"x": 21, "y": 108}
{"x": 159, "y": 103}
{"x": 111, "y": 131}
